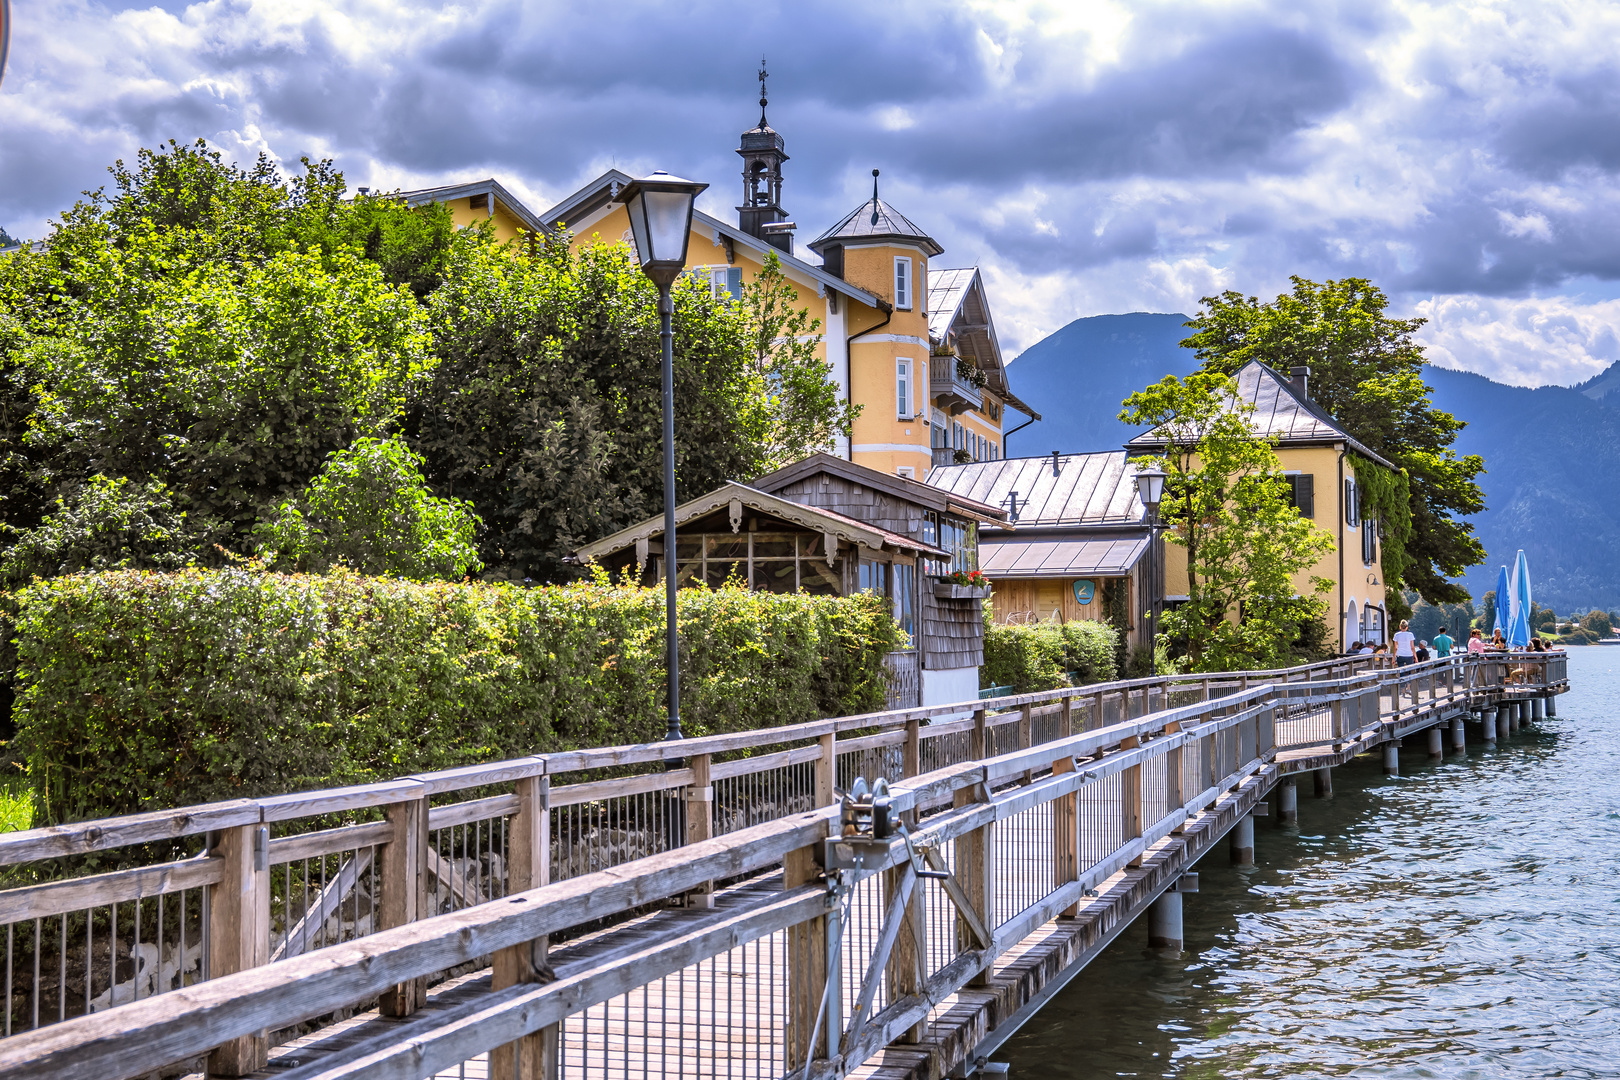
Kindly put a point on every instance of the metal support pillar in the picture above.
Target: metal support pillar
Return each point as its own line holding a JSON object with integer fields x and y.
{"x": 1504, "y": 719}
{"x": 1287, "y": 801}
{"x": 1538, "y": 708}
{"x": 1164, "y": 921}
{"x": 1324, "y": 783}
{"x": 1515, "y": 716}
{"x": 1487, "y": 725}
{"x": 1392, "y": 758}
{"x": 1459, "y": 741}
{"x": 1437, "y": 742}
{"x": 1242, "y": 841}
{"x": 1552, "y": 704}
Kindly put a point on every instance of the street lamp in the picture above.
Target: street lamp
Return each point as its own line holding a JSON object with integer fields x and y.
{"x": 660, "y": 208}
{"x": 1150, "y": 489}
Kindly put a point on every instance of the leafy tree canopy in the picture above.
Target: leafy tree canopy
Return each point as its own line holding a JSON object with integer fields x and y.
{"x": 1225, "y": 501}
{"x": 1367, "y": 372}
{"x": 370, "y": 509}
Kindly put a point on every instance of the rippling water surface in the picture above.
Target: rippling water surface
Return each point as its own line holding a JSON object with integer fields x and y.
{"x": 1461, "y": 920}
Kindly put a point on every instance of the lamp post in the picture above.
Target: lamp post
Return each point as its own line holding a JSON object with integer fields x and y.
{"x": 1150, "y": 489}
{"x": 660, "y": 208}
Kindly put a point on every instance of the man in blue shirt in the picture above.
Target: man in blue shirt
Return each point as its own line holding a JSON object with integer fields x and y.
{"x": 1443, "y": 644}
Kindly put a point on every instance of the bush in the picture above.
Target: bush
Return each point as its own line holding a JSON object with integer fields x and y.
{"x": 1597, "y": 623}
{"x": 1043, "y": 656}
{"x": 370, "y": 509}
{"x": 140, "y": 691}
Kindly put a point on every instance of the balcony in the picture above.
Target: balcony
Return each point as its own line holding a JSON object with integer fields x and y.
{"x": 949, "y": 389}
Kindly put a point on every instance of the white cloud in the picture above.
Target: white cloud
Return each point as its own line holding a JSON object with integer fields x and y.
{"x": 1092, "y": 156}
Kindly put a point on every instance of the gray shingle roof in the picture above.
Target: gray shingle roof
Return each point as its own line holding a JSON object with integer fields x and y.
{"x": 1087, "y": 489}
{"x": 1279, "y": 410}
{"x": 872, "y": 221}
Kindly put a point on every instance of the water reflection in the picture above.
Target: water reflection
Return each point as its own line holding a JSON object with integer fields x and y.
{"x": 1461, "y": 920}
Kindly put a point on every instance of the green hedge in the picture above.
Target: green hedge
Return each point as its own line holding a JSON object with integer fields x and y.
{"x": 139, "y": 690}
{"x": 1042, "y": 656}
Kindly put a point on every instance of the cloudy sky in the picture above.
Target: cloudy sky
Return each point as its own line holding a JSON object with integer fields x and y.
{"x": 1092, "y": 157}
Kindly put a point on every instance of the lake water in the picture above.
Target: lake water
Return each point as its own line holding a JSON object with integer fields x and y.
{"x": 1460, "y": 920}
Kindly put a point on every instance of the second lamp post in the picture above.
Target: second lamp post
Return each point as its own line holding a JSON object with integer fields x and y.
{"x": 1150, "y": 489}
{"x": 660, "y": 208}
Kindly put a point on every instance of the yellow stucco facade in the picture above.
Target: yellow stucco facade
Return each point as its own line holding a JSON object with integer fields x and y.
{"x": 1358, "y": 585}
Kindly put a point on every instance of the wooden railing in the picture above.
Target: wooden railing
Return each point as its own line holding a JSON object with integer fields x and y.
{"x": 306, "y": 905}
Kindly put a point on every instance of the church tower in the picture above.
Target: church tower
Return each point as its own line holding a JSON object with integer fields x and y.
{"x": 763, "y": 152}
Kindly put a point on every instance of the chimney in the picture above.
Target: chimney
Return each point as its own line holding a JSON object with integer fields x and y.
{"x": 1300, "y": 378}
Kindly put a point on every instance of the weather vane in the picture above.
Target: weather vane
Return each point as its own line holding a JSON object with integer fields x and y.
{"x": 763, "y": 75}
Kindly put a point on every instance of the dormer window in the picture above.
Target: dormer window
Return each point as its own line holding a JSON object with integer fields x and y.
{"x": 902, "y": 283}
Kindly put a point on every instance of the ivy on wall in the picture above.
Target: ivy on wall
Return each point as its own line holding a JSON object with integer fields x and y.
{"x": 1386, "y": 495}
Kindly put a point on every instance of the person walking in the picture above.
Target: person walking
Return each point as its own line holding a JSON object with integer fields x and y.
{"x": 1443, "y": 644}
{"x": 1405, "y": 646}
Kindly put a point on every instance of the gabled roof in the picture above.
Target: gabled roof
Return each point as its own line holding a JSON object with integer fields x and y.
{"x": 490, "y": 187}
{"x": 602, "y": 191}
{"x": 959, "y": 309}
{"x": 810, "y": 517}
{"x": 1280, "y": 411}
{"x": 873, "y": 222}
{"x": 1086, "y": 489}
{"x": 925, "y": 495}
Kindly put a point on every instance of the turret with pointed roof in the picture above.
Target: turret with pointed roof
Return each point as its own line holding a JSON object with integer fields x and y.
{"x": 872, "y": 222}
{"x": 763, "y": 150}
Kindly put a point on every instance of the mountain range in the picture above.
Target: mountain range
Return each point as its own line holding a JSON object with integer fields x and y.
{"x": 1552, "y": 453}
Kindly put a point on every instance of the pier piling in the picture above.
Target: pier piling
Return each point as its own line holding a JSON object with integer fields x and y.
{"x": 1164, "y": 920}
{"x": 1487, "y": 726}
{"x": 1504, "y": 722}
{"x": 1437, "y": 742}
{"x": 1392, "y": 758}
{"x": 1242, "y": 841}
{"x": 1538, "y": 708}
{"x": 1287, "y": 801}
{"x": 1552, "y": 703}
{"x": 1459, "y": 741}
{"x": 1324, "y": 783}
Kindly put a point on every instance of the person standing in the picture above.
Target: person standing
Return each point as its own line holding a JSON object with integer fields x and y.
{"x": 1405, "y": 646}
{"x": 1443, "y": 644}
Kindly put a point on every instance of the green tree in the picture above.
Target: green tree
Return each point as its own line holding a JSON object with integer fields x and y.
{"x": 1487, "y": 612}
{"x": 108, "y": 524}
{"x": 1367, "y": 372}
{"x": 544, "y": 409}
{"x": 1226, "y": 503}
{"x": 370, "y": 509}
{"x": 1597, "y": 622}
{"x": 792, "y": 388}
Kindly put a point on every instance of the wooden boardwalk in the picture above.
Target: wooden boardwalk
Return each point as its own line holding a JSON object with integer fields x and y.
{"x": 1023, "y": 866}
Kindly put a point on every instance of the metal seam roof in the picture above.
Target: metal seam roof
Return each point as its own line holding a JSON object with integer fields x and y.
{"x": 1097, "y": 488}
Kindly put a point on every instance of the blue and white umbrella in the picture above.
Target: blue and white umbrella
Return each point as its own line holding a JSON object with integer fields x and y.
{"x": 1504, "y": 601}
{"x": 1518, "y": 631}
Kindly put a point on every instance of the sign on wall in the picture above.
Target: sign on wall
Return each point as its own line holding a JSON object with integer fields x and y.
{"x": 1084, "y": 591}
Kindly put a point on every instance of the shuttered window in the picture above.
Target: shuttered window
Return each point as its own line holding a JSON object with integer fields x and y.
{"x": 1302, "y": 493}
{"x": 1369, "y": 540}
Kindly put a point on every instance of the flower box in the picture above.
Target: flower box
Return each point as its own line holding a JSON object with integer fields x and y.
{"x": 945, "y": 590}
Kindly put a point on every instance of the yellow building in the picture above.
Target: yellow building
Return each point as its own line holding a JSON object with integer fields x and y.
{"x": 1314, "y": 454}
{"x": 893, "y": 327}
{"x": 481, "y": 200}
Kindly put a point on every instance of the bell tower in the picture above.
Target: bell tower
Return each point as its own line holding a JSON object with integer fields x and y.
{"x": 763, "y": 152}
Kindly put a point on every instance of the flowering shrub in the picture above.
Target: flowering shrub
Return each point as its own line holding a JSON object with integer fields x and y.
{"x": 972, "y": 578}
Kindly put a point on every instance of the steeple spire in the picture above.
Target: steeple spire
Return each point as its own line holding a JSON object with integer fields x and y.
{"x": 875, "y": 203}
{"x": 763, "y": 98}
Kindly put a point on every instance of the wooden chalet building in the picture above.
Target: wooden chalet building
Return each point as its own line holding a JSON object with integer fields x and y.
{"x": 833, "y": 527}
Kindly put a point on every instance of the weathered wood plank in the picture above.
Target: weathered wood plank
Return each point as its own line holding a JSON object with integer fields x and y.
{"x": 58, "y": 897}
{"x": 81, "y": 838}
{"x": 286, "y": 849}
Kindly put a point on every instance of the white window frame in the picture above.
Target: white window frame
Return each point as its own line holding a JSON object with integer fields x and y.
{"x": 718, "y": 279}
{"x": 903, "y": 387}
{"x": 907, "y": 471}
{"x": 902, "y": 282}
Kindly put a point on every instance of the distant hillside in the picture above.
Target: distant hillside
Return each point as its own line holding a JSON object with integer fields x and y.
{"x": 1552, "y": 454}
{"x": 1077, "y": 377}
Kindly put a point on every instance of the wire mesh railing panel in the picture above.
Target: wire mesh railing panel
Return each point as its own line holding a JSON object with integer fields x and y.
{"x": 870, "y": 763}
{"x": 943, "y": 751}
{"x": 724, "y": 1017}
{"x": 942, "y": 935}
{"x": 604, "y": 833}
{"x": 863, "y": 923}
{"x": 1101, "y": 823}
{"x": 1155, "y": 789}
{"x": 466, "y": 865}
{"x": 1303, "y": 722}
{"x": 741, "y": 802}
{"x": 91, "y": 959}
{"x": 1025, "y": 859}
{"x": 323, "y": 900}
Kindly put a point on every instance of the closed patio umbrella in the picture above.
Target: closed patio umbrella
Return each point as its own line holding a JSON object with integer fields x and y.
{"x": 1504, "y": 601}
{"x": 1518, "y": 631}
